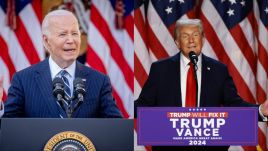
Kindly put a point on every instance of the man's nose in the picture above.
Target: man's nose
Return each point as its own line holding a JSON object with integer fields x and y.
{"x": 70, "y": 39}
{"x": 191, "y": 39}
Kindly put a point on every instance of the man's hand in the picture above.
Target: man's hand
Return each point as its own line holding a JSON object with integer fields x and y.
{"x": 264, "y": 108}
{"x": 1, "y": 90}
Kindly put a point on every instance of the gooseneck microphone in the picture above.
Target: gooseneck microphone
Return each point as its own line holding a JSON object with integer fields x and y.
{"x": 58, "y": 89}
{"x": 79, "y": 91}
{"x": 194, "y": 59}
{"x": 58, "y": 92}
{"x": 69, "y": 105}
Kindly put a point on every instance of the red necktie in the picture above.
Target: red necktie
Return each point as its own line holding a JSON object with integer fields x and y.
{"x": 190, "y": 88}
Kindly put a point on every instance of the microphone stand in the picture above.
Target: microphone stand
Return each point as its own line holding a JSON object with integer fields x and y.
{"x": 70, "y": 109}
{"x": 196, "y": 82}
{"x": 66, "y": 106}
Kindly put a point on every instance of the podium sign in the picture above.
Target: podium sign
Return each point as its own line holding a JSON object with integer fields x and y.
{"x": 34, "y": 134}
{"x": 213, "y": 126}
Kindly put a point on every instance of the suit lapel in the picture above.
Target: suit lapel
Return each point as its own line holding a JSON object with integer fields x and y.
{"x": 43, "y": 78}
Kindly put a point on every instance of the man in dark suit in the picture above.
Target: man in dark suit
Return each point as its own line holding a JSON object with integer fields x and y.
{"x": 168, "y": 82}
{"x": 31, "y": 94}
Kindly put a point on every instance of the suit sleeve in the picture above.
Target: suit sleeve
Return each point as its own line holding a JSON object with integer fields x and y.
{"x": 14, "y": 106}
{"x": 148, "y": 93}
{"x": 109, "y": 108}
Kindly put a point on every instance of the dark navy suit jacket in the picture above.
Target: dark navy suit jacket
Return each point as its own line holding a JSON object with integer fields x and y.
{"x": 31, "y": 94}
{"x": 162, "y": 88}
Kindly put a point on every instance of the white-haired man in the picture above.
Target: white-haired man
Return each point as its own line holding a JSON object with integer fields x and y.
{"x": 31, "y": 90}
{"x": 171, "y": 81}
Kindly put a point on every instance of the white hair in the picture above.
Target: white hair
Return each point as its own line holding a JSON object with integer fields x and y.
{"x": 46, "y": 20}
{"x": 184, "y": 22}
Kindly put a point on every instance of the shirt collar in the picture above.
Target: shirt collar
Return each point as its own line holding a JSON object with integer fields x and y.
{"x": 55, "y": 69}
{"x": 185, "y": 61}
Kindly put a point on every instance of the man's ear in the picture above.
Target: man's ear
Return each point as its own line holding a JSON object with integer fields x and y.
{"x": 45, "y": 42}
{"x": 177, "y": 43}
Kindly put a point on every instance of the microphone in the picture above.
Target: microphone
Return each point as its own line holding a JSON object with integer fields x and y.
{"x": 193, "y": 58}
{"x": 79, "y": 89}
{"x": 58, "y": 88}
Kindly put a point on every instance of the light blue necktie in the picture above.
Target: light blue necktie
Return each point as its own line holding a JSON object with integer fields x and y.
{"x": 67, "y": 89}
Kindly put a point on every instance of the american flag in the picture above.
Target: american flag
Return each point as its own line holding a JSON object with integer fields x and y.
{"x": 111, "y": 48}
{"x": 20, "y": 37}
{"x": 236, "y": 34}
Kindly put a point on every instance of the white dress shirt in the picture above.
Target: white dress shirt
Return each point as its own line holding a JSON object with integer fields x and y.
{"x": 184, "y": 67}
{"x": 55, "y": 69}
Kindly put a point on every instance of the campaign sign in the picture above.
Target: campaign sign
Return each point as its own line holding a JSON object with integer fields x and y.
{"x": 210, "y": 126}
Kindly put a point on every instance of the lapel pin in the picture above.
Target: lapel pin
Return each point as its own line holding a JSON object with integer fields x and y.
{"x": 208, "y": 68}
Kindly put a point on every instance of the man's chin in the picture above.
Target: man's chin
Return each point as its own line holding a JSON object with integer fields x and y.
{"x": 69, "y": 59}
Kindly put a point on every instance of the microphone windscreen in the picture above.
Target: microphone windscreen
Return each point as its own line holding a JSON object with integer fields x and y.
{"x": 57, "y": 80}
{"x": 79, "y": 86}
{"x": 193, "y": 57}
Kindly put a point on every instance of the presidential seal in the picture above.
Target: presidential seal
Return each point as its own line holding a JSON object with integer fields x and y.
{"x": 69, "y": 141}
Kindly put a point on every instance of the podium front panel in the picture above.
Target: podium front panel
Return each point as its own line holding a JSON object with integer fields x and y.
{"x": 30, "y": 134}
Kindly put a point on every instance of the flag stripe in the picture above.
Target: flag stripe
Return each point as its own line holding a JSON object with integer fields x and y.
{"x": 263, "y": 57}
{"x": 248, "y": 27}
{"x": 129, "y": 26}
{"x": 154, "y": 44}
{"x": 261, "y": 76}
{"x": 245, "y": 31}
{"x": 120, "y": 104}
{"x": 37, "y": 6}
{"x": 142, "y": 52}
{"x": 116, "y": 52}
{"x": 22, "y": 46}
{"x": 137, "y": 89}
{"x": 221, "y": 54}
{"x": 244, "y": 46}
{"x": 5, "y": 72}
{"x": 4, "y": 96}
{"x": 140, "y": 25}
{"x": 119, "y": 35}
{"x": 6, "y": 58}
{"x": 230, "y": 50}
{"x": 99, "y": 45}
{"x": 140, "y": 72}
{"x": 261, "y": 97}
{"x": 26, "y": 43}
{"x": 160, "y": 31}
{"x": 33, "y": 28}
{"x": 262, "y": 140}
{"x": 262, "y": 40}
{"x": 15, "y": 51}
{"x": 96, "y": 63}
